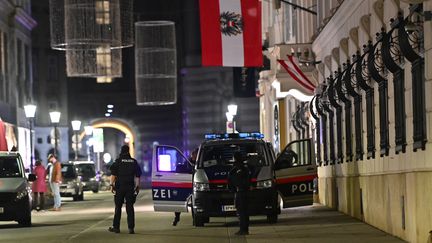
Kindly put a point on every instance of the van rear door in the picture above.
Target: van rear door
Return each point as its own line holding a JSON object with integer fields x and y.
{"x": 171, "y": 179}
{"x": 296, "y": 173}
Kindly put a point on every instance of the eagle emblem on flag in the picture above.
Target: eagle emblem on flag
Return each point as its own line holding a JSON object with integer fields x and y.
{"x": 231, "y": 23}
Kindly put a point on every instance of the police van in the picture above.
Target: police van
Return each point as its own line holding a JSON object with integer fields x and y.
{"x": 179, "y": 184}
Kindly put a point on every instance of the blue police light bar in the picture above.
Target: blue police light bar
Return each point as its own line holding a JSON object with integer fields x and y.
{"x": 245, "y": 135}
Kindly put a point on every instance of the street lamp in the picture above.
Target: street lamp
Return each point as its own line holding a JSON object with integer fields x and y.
{"x": 55, "y": 119}
{"x": 76, "y": 126}
{"x": 30, "y": 111}
{"x": 88, "y": 132}
{"x": 232, "y": 109}
{"x": 230, "y": 124}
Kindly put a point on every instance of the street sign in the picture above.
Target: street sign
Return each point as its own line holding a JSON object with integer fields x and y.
{"x": 98, "y": 140}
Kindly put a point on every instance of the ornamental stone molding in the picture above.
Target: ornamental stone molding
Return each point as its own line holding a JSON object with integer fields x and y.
{"x": 336, "y": 55}
{"x": 365, "y": 24}
{"x": 344, "y": 46}
{"x": 378, "y": 7}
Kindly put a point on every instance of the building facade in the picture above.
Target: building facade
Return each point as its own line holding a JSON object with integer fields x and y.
{"x": 16, "y": 74}
{"x": 50, "y": 89}
{"x": 371, "y": 112}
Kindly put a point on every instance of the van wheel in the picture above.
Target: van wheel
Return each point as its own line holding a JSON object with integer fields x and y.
{"x": 272, "y": 218}
{"x": 198, "y": 220}
{"x": 75, "y": 197}
{"x": 26, "y": 221}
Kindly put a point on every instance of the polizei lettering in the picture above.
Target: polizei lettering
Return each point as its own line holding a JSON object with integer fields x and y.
{"x": 161, "y": 193}
{"x": 302, "y": 188}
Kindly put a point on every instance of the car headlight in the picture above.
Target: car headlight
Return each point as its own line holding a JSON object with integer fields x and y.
{"x": 264, "y": 184}
{"x": 201, "y": 187}
{"x": 71, "y": 184}
{"x": 20, "y": 195}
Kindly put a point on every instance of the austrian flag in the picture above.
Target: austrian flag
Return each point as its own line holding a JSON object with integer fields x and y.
{"x": 231, "y": 33}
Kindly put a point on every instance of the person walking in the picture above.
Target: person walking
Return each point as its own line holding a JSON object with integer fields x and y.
{"x": 239, "y": 182}
{"x": 186, "y": 168}
{"x": 124, "y": 183}
{"x": 55, "y": 179}
{"x": 39, "y": 186}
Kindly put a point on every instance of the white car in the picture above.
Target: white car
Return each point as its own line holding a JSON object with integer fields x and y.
{"x": 15, "y": 191}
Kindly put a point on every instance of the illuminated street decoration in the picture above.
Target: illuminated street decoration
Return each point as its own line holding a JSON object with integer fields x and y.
{"x": 92, "y": 32}
{"x": 101, "y": 62}
{"x": 155, "y": 63}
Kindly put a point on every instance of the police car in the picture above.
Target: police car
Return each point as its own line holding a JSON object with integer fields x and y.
{"x": 177, "y": 184}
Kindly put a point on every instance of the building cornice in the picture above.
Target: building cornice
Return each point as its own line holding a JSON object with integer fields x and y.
{"x": 348, "y": 10}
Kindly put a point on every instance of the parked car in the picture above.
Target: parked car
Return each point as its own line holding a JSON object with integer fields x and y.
{"x": 72, "y": 185}
{"x": 89, "y": 178}
{"x": 15, "y": 190}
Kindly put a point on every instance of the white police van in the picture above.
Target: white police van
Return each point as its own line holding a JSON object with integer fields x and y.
{"x": 177, "y": 184}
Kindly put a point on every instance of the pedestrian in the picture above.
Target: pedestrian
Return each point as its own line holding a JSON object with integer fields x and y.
{"x": 55, "y": 179}
{"x": 39, "y": 186}
{"x": 124, "y": 183}
{"x": 239, "y": 183}
{"x": 186, "y": 168}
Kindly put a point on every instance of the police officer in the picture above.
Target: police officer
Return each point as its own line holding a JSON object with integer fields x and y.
{"x": 125, "y": 174}
{"x": 239, "y": 182}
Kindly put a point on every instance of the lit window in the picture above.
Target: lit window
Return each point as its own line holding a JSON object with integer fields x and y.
{"x": 102, "y": 12}
{"x": 103, "y": 59}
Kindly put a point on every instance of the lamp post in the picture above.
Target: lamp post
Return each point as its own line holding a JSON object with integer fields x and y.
{"x": 88, "y": 132}
{"x": 55, "y": 119}
{"x": 76, "y": 126}
{"x": 30, "y": 111}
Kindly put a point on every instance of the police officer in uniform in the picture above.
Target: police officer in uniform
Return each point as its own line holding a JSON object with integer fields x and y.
{"x": 125, "y": 174}
{"x": 239, "y": 182}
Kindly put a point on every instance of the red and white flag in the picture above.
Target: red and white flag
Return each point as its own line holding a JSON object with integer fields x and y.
{"x": 296, "y": 73}
{"x": 231, "y": 33}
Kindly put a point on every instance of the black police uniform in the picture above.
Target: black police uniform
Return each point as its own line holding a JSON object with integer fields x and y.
{"x": 239, "y": 182}
{"x": 125, "y": 168}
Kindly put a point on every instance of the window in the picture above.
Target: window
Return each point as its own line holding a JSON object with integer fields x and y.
{"x": 339, "y": 144}
{"x": 297, "y": 153}
{"x": 86, "y": 170}
{"x": 348, "y": 132}
{"x": 358, "y": 127}
{"x": 170, "y": 160}
{"x": 288, "y": 24}
{"x": 102, "y": 12}
{"x": 370, "y": 123}
{"x": 9, "y": 167}
{"x": 222, "y": 155}
{"x": 331, "y": 137}
{"x": 68, "y": 171}
{"x": 419, "y": 105}
{"x": 103, "y": 60}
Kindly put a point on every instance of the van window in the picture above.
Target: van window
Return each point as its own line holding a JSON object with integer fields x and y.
{"x": 68, "y": 171}
{"x": 169, "y": 159}
{"x": 297, "y": 153}
{"x": 222, "y": 154}
{"x": 86, "y": 170}
{"x": 9, "y": 167}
